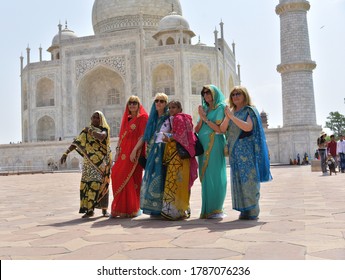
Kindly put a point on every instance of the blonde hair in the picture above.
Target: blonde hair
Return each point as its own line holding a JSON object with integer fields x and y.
{"x": 134, "y": 98}
{"x": 244, "y": 91}
{"x": 162, "y": 95}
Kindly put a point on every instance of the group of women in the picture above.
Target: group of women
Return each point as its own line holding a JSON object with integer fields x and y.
{"x": 156, "y": 140}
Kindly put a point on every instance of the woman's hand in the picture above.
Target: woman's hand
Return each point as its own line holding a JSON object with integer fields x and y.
{"x": 133, "y": 156}
{"x": 202, "y": 113}
{"x": 86, "y": 129}
{"x": 63, "y": 159}
{"x": 229, "y": 113}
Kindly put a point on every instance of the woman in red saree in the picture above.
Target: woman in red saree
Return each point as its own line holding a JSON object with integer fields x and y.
{"x": 126, "y": 173}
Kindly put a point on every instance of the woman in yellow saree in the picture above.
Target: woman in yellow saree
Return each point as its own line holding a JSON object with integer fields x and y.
{"x": 93, "y": 144}
{"x": 181, "y": 173}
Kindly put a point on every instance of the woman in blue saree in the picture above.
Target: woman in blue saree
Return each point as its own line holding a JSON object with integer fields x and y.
{"x": 248, "y": 153}
{"x": 152, "y": 186}
{"x": 212, "y": 164}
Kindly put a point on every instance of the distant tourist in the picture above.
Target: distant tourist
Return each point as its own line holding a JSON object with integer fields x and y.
{"x": 341, "y": 152}
{"x": 332, "y": 148}
{"x": 322, "y": 144}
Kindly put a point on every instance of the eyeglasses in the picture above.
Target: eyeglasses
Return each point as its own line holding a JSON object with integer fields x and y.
{"x": 160, "y": 101}
{"x": 132, "y": 103}
{"x": 236, "y": 94}
{"x": 206, "y": 92}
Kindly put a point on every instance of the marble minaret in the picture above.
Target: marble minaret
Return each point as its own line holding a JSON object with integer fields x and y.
{"x": 296, "y": 66}
{"x": 300, "y": 131}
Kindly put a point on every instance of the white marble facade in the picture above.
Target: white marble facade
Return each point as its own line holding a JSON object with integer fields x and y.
{"x": 142, "y": 47}
{"x": 139, "y": 48}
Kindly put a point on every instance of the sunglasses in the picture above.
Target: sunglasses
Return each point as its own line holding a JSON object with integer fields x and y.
{"x": 132, "y": 103}
{"x": 236, "y": 94}
{"x": 172, "y": 107}
{"x": 160, "y": 101}
{"x": 206, "y": 92}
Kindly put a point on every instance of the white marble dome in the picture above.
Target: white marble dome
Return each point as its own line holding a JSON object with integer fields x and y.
{"x": 65, "y": 34}
{"x": 173, "y": 21}
{"x": 115, "y": 15}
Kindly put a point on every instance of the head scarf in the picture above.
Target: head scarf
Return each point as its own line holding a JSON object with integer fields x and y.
{"x": 103, "y": 123}
{"x": 127, "y": 115}
{"x": 153, "y": 121}
{"x": 217, "y": 95}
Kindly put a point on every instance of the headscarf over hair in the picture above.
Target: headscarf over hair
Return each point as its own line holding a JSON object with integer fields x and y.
{"x": 217, "y": 95}
{"x": 133, "y": 98}
{"x": 103, "y": 123}
{"x": 127, "y": 113}
{"x": 153, "y": 117}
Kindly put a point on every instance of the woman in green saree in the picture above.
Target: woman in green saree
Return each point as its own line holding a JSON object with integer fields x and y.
{"x": 93, "y": 144}
{"x": 212, "y": 165}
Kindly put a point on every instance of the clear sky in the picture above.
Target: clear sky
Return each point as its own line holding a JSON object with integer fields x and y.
{"x": 252, "y": 24}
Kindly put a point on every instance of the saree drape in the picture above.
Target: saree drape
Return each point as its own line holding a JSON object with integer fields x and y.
{"x": 212, "y": 164}
{"x": 94, "y": 185}
{"x": 152, "y": 186}
{"x": 181, "y": 173}
{"x": 249, "y": 163}
{"x": 126, "y": 175}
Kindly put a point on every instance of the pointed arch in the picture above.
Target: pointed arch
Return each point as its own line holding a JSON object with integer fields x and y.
{"x": 200, "y": 75}
{"x": 45, "y": 129}
{"x": 170, "y": 41}
{"x": 163, "y": 80}
{"x": 101, "y": 89}
{"x": 45, "y": 93}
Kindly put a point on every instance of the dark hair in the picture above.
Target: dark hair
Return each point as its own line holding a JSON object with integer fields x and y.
{"x": 176, "y": 103}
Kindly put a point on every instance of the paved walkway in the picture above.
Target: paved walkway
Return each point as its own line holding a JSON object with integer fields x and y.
{"x": 302, "y": 217}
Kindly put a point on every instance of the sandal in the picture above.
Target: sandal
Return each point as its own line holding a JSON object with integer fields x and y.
{"x": 88, "y": 214}
{"x": 105, "y": 213}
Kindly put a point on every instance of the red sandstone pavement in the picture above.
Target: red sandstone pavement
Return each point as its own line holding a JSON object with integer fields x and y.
{"x": 302, "y": 218}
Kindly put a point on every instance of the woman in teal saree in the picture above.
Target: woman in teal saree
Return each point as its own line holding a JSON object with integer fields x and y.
{"x": 212, "y": 164}
{"x": 248, "y": 153}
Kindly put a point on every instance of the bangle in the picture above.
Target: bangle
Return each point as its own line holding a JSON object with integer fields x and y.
{"x": 65, "y": 154}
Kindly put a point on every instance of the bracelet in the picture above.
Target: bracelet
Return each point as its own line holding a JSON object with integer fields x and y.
{"x": 65, "y": 154}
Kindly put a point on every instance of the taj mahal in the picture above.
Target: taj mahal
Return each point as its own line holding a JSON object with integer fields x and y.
{"x": 142, "y": 47}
